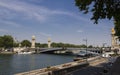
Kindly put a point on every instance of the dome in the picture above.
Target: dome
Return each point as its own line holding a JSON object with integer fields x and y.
{"x": 49, "y": 39}
{"x": 33, "y": 37}
{"x": 113, "y": 31}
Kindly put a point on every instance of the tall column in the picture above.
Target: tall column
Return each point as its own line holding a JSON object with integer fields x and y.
{"x": 49, "y": 43}
{"x": 33, "y": 42}
{"x": 113, "y": 41}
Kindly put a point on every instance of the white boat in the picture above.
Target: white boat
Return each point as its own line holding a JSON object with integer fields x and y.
{"x": 107, "y": 54}
{"x": 24, "y": 52}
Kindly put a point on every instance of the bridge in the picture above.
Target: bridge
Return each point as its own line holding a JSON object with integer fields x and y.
{"x": 64, "y": 50}
{"x": 50, "y": 50}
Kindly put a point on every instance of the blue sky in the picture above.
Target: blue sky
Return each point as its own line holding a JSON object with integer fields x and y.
{"x": 58, "y": 19}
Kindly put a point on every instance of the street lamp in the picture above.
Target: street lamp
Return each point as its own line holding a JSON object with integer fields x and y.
{"x": 104, "y": 47}
{"x": 86, "y": 47}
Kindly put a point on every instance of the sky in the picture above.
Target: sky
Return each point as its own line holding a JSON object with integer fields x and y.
{"x": 59, "y": 20}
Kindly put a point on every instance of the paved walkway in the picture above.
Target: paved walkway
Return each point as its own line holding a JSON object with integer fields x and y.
{"x": 88, "y": 71}
{"x": 96, "y": 68}
{"x": 98, "y": 61}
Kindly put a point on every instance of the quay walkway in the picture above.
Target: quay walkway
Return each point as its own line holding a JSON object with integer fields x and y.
{"x": 67, "y": 68}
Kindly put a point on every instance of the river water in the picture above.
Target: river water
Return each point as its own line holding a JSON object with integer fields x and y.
{"x": 12, "y": 64}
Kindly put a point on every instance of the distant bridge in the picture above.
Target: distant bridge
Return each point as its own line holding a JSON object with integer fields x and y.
{"x": 50, "y": 50}
{"x": 63, "y": 50}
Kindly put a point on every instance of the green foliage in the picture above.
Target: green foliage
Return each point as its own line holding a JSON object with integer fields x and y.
{"x": 37, "y": 44}
{"x": 101, "y": 9}
{"x": 90, "y": 46}
{"x": 26, "y": 43}
{"x": 41, "y": 45}
{"x": 83, "y": 46}
{"x": 64, "y": 45}
{"x": 54, "y": 44}
{"x": 1, "y": 41}
{"x": 44, "y": 45}
{"x": 117, "y": 28}
{"x": 7, "y": 41}
{"x": 16, "y": 44}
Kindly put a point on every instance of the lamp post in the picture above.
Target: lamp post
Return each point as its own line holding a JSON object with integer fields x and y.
{"x": 104, "y": 47}
{"x": 12, "y": 48}
{"x": 86, "y": 47}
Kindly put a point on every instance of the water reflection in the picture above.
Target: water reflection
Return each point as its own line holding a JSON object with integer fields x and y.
{"x": 11, "y": 64}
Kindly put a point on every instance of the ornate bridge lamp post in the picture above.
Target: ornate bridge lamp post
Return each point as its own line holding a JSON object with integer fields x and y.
{"x": 33, "y": 42}
{"x": 86, "y": 42}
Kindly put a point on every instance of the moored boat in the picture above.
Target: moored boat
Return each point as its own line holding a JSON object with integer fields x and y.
{"x": 25, "y": 53}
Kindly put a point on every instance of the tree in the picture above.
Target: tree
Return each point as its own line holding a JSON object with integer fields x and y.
{"x": 90, "y": 46}
{"x": 16, "y": 44}
{"x": 37, "y": 44}
{"x": 26, "y": 43}
{"x": 44, "y": 45}
{"x": 54, "y": 44}
{"x": 1, "y": 41}
{"x": 83, "y": 46}
{"x": 101, "y": 9}
{"x": 117, "y": 29}
{"x": 6, "y": 41}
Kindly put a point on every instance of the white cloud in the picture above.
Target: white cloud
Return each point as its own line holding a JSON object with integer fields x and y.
{"x": 10, "y": 23}
{"x": 45, "y": 34}
{"x": 26, "y": 10}
{"x": 30, "y": 11}
{"x": 3, "y": 30}
{"x": 80, "y": 31}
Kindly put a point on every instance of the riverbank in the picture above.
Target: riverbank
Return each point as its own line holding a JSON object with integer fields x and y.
{"x": 66, "y": 68}
{"x": 6, "y": 52}
{"x": 61, "y": 69}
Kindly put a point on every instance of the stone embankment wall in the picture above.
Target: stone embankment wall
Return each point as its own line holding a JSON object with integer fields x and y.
{"x": 57, "y": 70}
{"x": 67, "y": 68}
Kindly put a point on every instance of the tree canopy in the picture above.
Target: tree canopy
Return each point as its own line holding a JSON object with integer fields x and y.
{"x": 117, "y": 29}
{"x": 64, "y": 45}
{"x": 6, "y": 41}
{"x": 101, "y": 9}
{"x": 26, "y": 43}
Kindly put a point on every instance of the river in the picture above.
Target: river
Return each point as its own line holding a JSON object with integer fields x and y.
{"x": 12, "y": 64}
